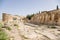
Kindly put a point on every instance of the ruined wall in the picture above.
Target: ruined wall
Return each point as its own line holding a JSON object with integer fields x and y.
{"x": 9, "y": 18}
{"x": 47, "y": 17}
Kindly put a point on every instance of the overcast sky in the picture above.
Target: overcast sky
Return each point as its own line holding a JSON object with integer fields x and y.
{"x": 25, "y": 7}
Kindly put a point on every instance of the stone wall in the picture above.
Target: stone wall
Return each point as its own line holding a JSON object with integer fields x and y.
{"x": 47, "y": 17}
{"x": 9, "y": 18}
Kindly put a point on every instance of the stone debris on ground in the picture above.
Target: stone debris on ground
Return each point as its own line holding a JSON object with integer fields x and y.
{"x": 23, "y": 31}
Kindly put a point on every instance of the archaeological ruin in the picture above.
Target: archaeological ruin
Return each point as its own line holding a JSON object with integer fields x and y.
{"x": 45, "y": 17}
{"x": 8, "y": 18}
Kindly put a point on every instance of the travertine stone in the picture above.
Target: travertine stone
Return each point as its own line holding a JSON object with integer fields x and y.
{"x": 47, "y": 17}
{"x": 9, "y": 18}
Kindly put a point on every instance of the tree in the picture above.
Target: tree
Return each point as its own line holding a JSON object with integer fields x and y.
{"x": 29, "y": 16}
{"x": 57, "y": 7}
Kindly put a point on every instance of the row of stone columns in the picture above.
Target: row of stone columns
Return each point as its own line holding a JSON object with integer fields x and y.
{"x": 47, "y": 18}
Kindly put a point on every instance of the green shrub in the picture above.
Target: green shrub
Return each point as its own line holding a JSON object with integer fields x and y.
{"x": 53, "y": 27}
{"x": 1, "y": 25}
{"x": 29, "y": 16}
{"x": 8, "y": 28}
{"x": 15, "y": 25}
{"x": 3, "y": 35}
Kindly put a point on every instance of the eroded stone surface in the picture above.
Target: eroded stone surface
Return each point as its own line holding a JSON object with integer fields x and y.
{"x": 32, "y": 32}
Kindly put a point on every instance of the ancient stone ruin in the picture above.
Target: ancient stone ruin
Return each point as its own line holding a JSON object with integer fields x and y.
{"x": 9, "y": 17}
{"x": 47, "y": 17}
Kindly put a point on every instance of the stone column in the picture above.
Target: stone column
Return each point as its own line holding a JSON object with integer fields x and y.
{"x": 46, "y": 18}
{"x": 52, "y": 18}
{"x": 58, "y": 21}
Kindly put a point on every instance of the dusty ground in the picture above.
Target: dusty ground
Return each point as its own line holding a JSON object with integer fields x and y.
{"x": 29, "y": 31}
